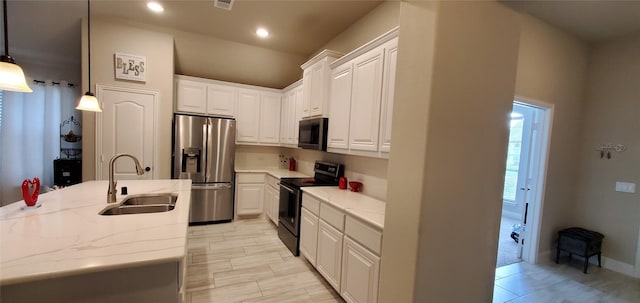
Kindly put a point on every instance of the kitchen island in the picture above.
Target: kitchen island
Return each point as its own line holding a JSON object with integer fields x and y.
{"x": 64, "y": 251}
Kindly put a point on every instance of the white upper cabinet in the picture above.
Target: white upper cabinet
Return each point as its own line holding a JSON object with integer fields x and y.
{"x": 388, "y": 90}
{"x": 248, "y": 123}
{"x": 290, "y": 117}
{"x": 315, "y": 79}
{"x": 201, "y": 96}
{"x": 366, "y": 90}
{"x": 191, "y": 96}
{"x": 221, "y": 100}
{"x": 361, "y": 98}
{"x": 340, "y": 106}
{"x": 270, "y": 118}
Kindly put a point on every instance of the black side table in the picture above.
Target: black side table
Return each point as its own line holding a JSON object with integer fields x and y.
{"x": 582, "y": 242}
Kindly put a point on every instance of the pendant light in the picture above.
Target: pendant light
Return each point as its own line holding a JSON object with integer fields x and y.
{"x": 89, "y": 102}
{"x": 11, "y": 75}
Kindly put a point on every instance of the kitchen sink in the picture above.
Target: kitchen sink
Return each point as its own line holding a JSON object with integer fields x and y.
{"x": 150, "y": 199}
{"x": 136, "y": 209}
{"x": 142, "y": 204}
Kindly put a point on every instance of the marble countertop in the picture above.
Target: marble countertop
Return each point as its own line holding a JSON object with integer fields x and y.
{"x": 67, "y": 236}
{"x": 357, "y": 205}
{"x": 274, "y": 171}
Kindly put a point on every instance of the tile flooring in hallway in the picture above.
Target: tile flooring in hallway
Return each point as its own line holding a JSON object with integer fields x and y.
{"x": 244, "y": 261}
{"x": 563, "y": 283}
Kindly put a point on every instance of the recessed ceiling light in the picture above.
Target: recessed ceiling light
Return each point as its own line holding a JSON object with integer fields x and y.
{"x": 262, "y": 32}
{"x": 155, "y": 6}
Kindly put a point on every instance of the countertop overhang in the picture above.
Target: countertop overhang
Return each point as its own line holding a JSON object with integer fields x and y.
{"x": 66, "y": 235}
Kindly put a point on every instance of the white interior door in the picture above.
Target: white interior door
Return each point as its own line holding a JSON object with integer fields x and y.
{"x": 518, "y": 180}
{"x": 126, "y": 125}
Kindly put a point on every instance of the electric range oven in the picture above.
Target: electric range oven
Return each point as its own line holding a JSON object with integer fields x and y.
{"x": 325, "y": 174}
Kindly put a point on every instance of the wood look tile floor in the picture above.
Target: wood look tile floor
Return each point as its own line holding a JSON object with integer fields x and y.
{"x": 244, "y": 261}
{"x": 563, "y": 283}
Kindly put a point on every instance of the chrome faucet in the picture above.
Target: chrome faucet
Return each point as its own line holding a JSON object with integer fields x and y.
{"x": 111, "y": 193}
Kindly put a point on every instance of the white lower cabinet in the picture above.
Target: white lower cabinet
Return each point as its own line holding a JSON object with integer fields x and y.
{"x": 272, "y": 198}
{"x": 308, "y": 235}
{"x": 329, "y": 254}
{"x": 249, "y": 194}
{"x": 360, "y": 273}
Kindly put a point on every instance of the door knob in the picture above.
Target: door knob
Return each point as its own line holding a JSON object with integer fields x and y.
{"x": 147, "y": 168}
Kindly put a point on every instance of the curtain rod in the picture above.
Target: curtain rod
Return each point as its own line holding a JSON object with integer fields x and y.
{"x": 52, "y": 82}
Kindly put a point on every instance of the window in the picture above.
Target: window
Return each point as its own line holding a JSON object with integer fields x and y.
{"x": 513, "y": 157}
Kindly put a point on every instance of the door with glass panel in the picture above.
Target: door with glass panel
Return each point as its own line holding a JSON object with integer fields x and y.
{"x": 517, "y": 185}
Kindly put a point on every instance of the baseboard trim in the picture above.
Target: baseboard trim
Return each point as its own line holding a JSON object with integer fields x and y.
{"x": 617, "y": 266}
{"x": 608, "y": 263}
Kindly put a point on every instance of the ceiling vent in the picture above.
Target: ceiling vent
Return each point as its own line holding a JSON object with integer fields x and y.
{"x": 223, "y": 4}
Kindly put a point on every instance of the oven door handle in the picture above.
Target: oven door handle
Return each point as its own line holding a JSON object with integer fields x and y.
{"x": 287, "y": 188}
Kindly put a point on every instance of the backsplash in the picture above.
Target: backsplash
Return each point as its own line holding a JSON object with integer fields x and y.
{"x": 372, "y": 172}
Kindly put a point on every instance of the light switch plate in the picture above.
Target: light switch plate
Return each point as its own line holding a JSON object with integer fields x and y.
{"x": 626, "y": 187}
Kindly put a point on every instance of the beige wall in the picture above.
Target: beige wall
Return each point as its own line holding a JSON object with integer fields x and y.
{"x": 106, "y": 39}
{"x": 212, "y": 58}
{"x": 380, "y": 20}
{"x": 552, "y": 68}
{"x": 207, "y": 57}
{"x": 447, "y": 167}
{"x": 612, "y": 115}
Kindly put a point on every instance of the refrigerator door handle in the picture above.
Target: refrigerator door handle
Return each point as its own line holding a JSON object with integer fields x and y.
{"x": 211, "y": 186}
{"x": 205, "y": 148}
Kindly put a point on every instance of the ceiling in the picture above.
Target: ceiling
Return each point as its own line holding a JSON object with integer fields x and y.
{"x": 591, "y": 21}
{"x": 300, "y": 27}
{"x": 50, "y": 29}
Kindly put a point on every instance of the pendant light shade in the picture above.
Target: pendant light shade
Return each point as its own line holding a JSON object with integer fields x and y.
{"x": 89, "y": 102}
{"x": 11, "y": 75}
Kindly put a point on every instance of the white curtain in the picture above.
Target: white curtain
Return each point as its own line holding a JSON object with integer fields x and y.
{"x": 30, "y": 135}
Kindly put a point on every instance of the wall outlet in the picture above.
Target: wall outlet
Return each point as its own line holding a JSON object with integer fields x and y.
{"x": 626, "y": 187}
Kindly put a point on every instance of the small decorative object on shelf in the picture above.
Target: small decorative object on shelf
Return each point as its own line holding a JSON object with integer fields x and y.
{"x": 70, "y": 137}
{"x": 30, "y": 191}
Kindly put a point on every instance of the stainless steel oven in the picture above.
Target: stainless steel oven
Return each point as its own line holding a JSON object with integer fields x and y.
{"x": 326, "y": 174}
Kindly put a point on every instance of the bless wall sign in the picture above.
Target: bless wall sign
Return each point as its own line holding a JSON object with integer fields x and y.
{"x": 130, "y": 67}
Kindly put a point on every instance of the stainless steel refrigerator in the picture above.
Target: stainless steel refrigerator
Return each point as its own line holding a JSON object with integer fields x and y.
{"x": 203, "y": 151}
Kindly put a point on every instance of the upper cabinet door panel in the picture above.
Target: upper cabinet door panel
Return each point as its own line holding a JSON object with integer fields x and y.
{"x": 248, "y": 127}
{"x": 270, "y": 118}
{"x": 388, "y": 91}
{"x": 191, "y": 96}
{"x": 221, "y": 100}
{"x": 340, "y": 106}
{"x": 365, "y": 101}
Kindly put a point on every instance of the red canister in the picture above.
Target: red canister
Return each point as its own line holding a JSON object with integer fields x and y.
{"x": 292, "y": 164}
{"x": 342, "y": 183}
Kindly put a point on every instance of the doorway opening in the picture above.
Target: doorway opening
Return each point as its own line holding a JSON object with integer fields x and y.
{"x": 530, "y": 130}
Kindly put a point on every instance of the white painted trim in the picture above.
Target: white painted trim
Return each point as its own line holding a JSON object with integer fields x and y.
{"x": 98, "y": 129}
{"x": 324, "y": 54}
{"x": 617, "y": 266}
{"x": 380, "y": 40}
{"x": 531, "y": 254}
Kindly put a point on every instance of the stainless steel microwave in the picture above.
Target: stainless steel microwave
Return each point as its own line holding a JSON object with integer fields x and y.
{"x": 313, "y": 134}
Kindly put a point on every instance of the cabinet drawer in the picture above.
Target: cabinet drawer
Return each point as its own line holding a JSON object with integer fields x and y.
{"x": 272, "y": 181}
{"x": 250, "y": 178}
{"x": 363, "y": 234}
{"x": 332, "y": 215}
{"x": 311, "y": 203}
